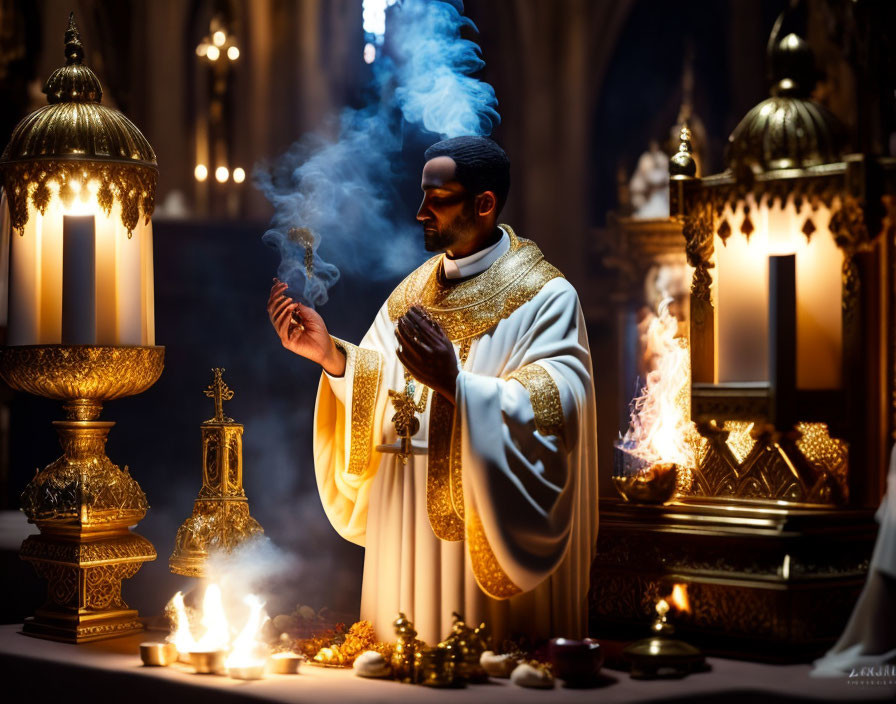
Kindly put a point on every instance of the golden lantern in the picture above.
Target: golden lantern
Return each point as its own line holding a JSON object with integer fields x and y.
{"x": 786, "y": 253}
{"x": 79, "y": 181}
{"x": 791, "y": 349}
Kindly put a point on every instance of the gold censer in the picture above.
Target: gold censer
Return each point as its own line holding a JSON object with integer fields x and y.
{"x": 220, "y": 518}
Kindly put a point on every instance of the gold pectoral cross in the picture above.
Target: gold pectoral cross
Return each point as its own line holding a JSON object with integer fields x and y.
{"x": 405, "y": 420}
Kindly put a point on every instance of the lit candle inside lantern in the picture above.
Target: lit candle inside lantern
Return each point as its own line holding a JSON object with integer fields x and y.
{"x": 24, "y": 284}
{"x": 49, "y": 246}
{"x": 128, "y": 252}
{"x": 742, "y": 302}
{"x": 78, "y": 280}
{"x": 148, "y": 291}
{"x": 5, "y": 232}
{"x": 819, "y": 318}
{"x": 741, "y": 295}
{"x": 106, "y": 283}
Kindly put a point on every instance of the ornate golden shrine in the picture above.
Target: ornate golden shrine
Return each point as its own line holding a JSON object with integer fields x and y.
{"x": 774, "y": 534}
{"x": 220, "y": 518}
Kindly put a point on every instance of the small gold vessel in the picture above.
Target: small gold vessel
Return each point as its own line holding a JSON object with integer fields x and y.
{"x": 654, "y": 484}
{"x": 208, "y": 662}
{"x": 284, "y": 663}
{"x": 158, "y": 654}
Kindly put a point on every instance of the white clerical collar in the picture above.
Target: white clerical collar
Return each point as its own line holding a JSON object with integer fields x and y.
{"x": 477, "y": 262}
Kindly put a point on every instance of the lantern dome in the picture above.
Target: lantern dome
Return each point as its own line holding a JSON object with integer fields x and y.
{"x": 788, "y": 130}
{"x": 76, "y": 139}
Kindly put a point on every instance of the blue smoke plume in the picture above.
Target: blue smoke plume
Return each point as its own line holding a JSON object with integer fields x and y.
{"x": 343, "y": 190}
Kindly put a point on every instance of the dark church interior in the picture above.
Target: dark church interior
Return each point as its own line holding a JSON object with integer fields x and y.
{"x": 637, "y": 148}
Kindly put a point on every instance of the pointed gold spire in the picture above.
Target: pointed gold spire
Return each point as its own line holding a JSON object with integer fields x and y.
{"x": 682, "y": 163}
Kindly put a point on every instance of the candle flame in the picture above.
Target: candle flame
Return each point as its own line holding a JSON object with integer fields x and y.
{"x": 680, "y": 598}
{"x": 182, "y": 637}
{"x": 214, "y": 619}
{"x": 247, "y": 649}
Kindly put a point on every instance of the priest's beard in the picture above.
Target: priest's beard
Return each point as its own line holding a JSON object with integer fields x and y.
{"x": 444, "y": 239}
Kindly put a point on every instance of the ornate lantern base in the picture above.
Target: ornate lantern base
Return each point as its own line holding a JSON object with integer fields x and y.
{"x": 82, "y": 503}
{"x": 84, "y": 574}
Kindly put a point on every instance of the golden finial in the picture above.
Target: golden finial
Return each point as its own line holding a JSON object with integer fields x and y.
{"x": 682, "y": 163}
{"x": 74, "y": 51}
{"x": 219, "y": 391}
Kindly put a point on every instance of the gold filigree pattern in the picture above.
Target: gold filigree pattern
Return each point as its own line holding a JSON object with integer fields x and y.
{"x": 213, "y": 525}
{"x": 84, "y": 583}
{"x": 469, "y": 308}
{"x": 829, "y": 454}
{"x": 444, "y": 519}
{"x": 365, "y": 367}
{"x": 489, "y": 574}
{"x": 124, "y": 547}
{"x": 739, "y": 439}
{"x": 544, "y": 396}
{"x": 132, "y": 185}
{"x": 776, "y": 471}
{"x": 698, "y": 233}
{"x": 444, "y": 473}
{"x": 67, "y": 372}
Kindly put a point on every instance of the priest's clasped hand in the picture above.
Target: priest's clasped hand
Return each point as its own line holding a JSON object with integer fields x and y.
{"x": 426, "y": 352}
{"x": 302, "y": 330}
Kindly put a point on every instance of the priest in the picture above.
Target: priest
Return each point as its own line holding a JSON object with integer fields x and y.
{"x": 456, "y": 442}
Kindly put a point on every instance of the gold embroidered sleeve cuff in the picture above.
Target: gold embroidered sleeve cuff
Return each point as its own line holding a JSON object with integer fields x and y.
{"x": 489, "y": 574}
{"x": 364, "y": 368}
{"x": 544, "y": 396}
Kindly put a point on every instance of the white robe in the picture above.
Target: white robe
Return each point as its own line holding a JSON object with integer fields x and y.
{"x": 522, "y": 537}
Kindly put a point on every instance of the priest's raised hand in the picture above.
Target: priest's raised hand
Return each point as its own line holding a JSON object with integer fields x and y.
{"x": 301, "y": 330}
{"x": 426, "y": 352}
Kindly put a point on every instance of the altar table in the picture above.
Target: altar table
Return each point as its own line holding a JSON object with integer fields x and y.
{"x": 37, "y": 670}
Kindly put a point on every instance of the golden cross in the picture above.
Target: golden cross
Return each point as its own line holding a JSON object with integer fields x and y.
{"x": 219, "y": 391}
{"x": 405, "y": 418}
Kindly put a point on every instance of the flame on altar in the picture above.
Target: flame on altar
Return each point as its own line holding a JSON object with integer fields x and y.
{"x": 219, "y": 628}
{"x": 660, "y": 429}
{"x": 679, "y": 598}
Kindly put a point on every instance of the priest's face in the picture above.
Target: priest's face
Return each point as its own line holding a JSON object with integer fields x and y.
{"x": 447, "y": 212}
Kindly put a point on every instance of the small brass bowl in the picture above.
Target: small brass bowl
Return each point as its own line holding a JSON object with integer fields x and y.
{"x": 208, "y": 662}
{"x": 247, "y": 672}
{"x": 158, "y": 654}
{"x": 654, "y": 485}
{"x": 284, "y": 663}
{"x": 659, "y": 658}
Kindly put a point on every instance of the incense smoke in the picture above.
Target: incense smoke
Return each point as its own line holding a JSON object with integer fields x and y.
{"x": 344, "y": 190}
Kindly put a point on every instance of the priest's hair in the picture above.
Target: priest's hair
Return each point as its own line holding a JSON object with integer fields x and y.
{"x": 481, "y": 165}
